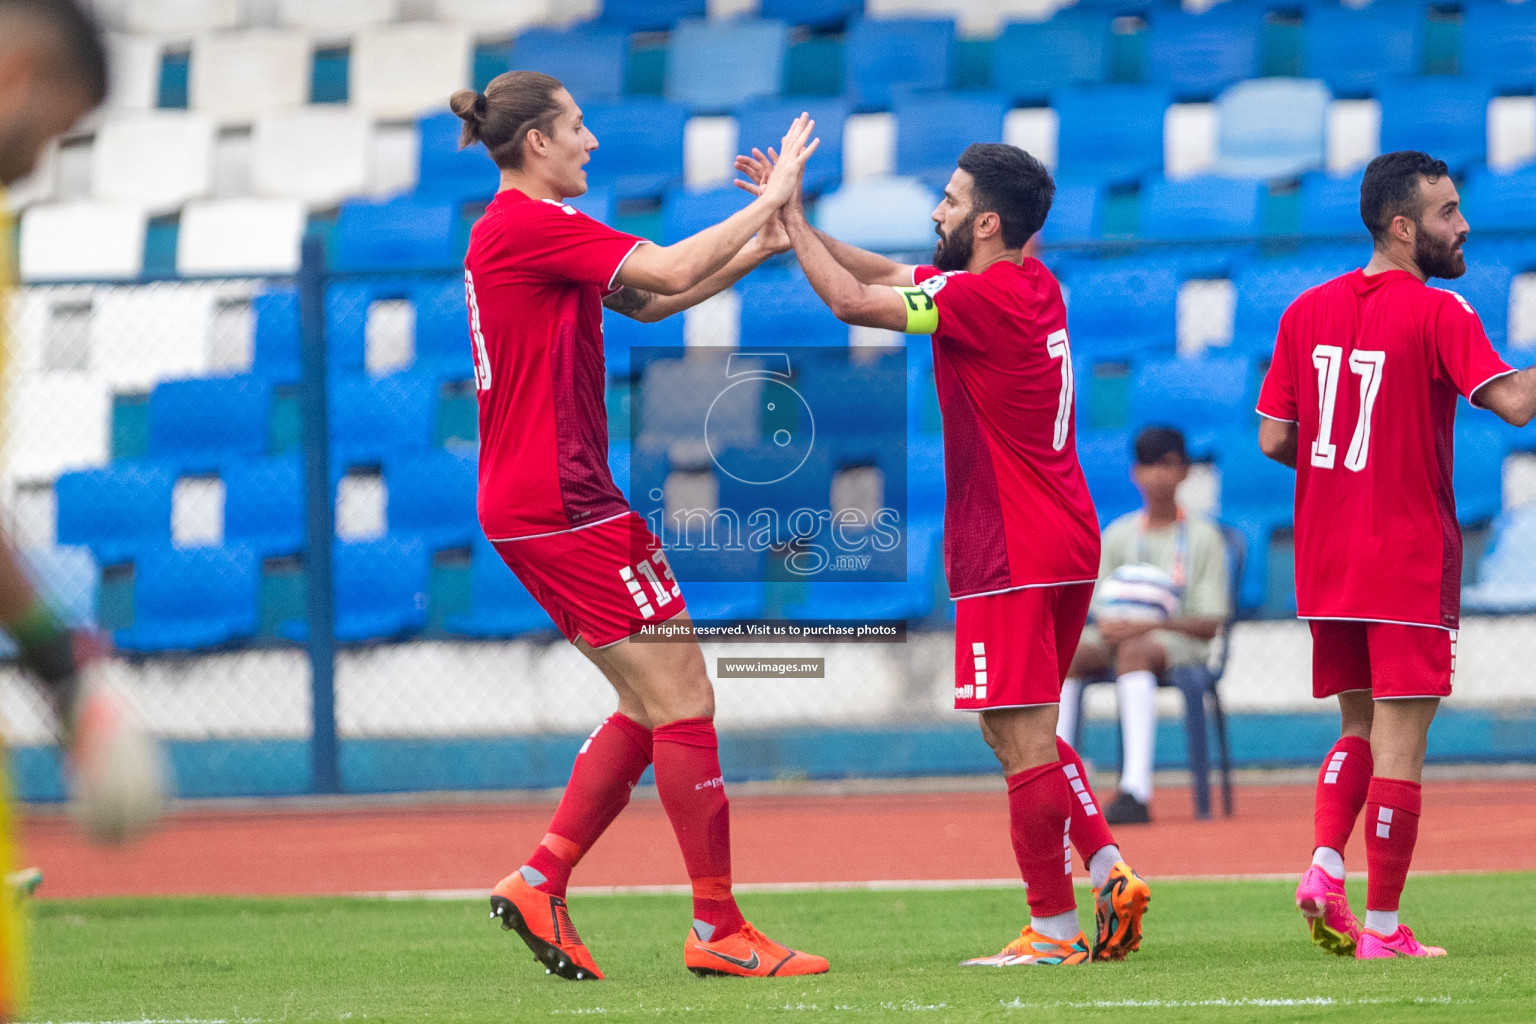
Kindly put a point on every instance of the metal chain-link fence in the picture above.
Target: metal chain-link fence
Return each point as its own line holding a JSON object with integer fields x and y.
{"x": 155, "y": 469}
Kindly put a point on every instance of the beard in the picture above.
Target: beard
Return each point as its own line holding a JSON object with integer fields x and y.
{"x": 1438, "y": 257}
{"x": 954, "y": 251}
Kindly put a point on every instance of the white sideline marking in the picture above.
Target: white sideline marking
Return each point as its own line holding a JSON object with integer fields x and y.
{"x": 1140, "y": 1004}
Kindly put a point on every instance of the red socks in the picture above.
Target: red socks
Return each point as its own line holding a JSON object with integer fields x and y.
{"x": 1391, "y": 829}
{"x": 693, "y": 795}
{"x": 1040, "y": 806}
{"x": 606, "y": 770}
{"x": 1090, "y": 833}
{"x": 1341, "y": 786}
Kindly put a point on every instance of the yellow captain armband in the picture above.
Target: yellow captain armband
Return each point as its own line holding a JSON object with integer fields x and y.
{"x": 922, "y": 312}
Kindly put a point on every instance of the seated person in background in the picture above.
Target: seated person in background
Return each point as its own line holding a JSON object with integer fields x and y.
{"x": 1162, "y": 597}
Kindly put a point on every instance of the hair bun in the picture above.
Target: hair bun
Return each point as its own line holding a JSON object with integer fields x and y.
{"x": 469, "y": 105}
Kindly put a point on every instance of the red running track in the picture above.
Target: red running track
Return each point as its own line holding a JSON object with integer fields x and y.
{"x": 1466, "y": 826}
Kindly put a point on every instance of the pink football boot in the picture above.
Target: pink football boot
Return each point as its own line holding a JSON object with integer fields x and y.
{"x": 1376, "y": 946}
{"x": 1321, "y": 899}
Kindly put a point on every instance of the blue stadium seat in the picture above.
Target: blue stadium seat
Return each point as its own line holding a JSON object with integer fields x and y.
{"x": 641, "y": 142}
{"x": 715, "y": 66}
{"x": 444, "y": 170}
{"x": 264, "y": 505}
{"x": 117, "y": 511}
{"x": 443, "y": 346}
{"x": 1207, "y": 398}
{"x": 1443, "y": 115}
{"x": 852, "y": 401}
{"x": 185, "y": 599}
{"x": 499, "y": 605}
{"x": 380, "y": 590}
{"x": 785, "y": 311}
{"x": 677, "y": 396}
{"x": 1482, "y": 441}
{"x": 1074, "y": 213}
{"x": 1506, "y": 201}
{"x": 618, "y": 462}
{"x": 762, "y": 124}
{"x": 1258, "y": 498}
{"x": 596, "y": 203}
{"x": 1505, "y": 582}
{"x": 925, "y": 477}
{"x": 1271, "y": 128}
{"x": 275, "y": 350}
{"x": 887, "y": 598}
{"x": 396, "y": 234}
{"x": 1120, "y": 309}
{"x": 649, "y": 467}
{"x": 885, "y": 214}
{"x": 933, "y": 129}
{"x": 883, "y": 54}
{"x": 622, "y": 336}
{"x": 651, "y": 16}
{"x": 719, "y": 583}
{"x": 196, "y": 425}
{"x": 1030, "y": 60}
{"x": 813, "y": 13}
{"x": 1198, "y": 55}
{"x": 1106, "y": 459}
{"x": 588, "y": 59}
{"x": 1201, "y": 208}
{"x": 347, "y": 302}
{"x": 1498, "y": 42}
{"x": 371, "y": 418}
{"x": 432, "y": 496}
{"x": 808, "y": 486}
{"x": 1110, "y": 133}
{"x": 686, "y": 211}
{"x": 1266, "y": 287}
{"x": 1331, "y": 205}
{"x": 1354, "y": 48}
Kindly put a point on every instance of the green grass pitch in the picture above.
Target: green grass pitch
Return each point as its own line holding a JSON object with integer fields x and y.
{"x": 1214, "y": 951}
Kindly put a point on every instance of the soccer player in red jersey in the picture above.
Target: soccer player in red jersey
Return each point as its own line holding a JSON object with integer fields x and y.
{"x": 1361, "y": 400}
{"x": 537, "y": 275}
{"x": 1021, "y": 538}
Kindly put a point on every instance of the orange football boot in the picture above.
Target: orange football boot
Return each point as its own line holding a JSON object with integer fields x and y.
{"x": 747, "y": 953}
{"x": 545, "y": 925}
{"x": 1117, "y": 908}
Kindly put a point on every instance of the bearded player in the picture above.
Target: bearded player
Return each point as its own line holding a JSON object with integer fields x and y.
{"x": 537, "y": 275}
{"x": 52, "y": 73}
{"x": 1361, "y": 400}
{"x": 1021, "y": 538}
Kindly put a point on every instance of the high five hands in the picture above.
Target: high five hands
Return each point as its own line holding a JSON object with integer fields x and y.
{"x": 779, "y": 174}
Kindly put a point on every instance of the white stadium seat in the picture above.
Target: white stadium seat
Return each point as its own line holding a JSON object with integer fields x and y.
{"x": 240, "y": 236}
{"x": 880, "y": 214}
{"x": 58, "y": 422}
{"x": 81, "y": 240}
{"x": 182, "y": 17}
{"x": 317, "y": 154}
{"x": 236, "y": 75}
{"x": 145, "y": 334}
{"x": 158, "y": 159}
{"x": 491, "y": 17}
{"x": 336, "y": 15}
{"x": 135, "y": 79}
{"x": 400, "y": 71}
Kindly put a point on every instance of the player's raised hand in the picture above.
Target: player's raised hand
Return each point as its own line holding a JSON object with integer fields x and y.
{"x": 783, "y": 179}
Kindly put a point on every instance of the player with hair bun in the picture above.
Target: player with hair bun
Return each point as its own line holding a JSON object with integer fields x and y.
{"x": 537, "y": 275}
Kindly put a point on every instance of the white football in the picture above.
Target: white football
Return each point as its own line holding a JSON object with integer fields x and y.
{"x": 116, "y": 771}
{"x": 1138, "y": 593}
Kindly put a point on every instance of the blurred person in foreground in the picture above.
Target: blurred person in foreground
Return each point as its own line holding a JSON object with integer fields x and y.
{"x": 1162, "y": 597}
{"x": 1021, "y": 538}
{"x": 1361, "y": 401}
{"x": 52, "y": 73}
{"x": 537, "y": 275}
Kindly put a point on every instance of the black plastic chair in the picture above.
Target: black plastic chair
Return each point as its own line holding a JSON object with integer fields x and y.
{"x": 1198, "y": 683}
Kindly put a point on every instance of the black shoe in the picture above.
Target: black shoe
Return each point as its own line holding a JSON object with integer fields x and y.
{"x": 1127, "y": 810}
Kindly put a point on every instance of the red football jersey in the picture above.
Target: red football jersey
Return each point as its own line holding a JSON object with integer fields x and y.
{"x": 536, "y": 274}
{"x": 1017, "y": 510}
{"x": 1369, "y": 368}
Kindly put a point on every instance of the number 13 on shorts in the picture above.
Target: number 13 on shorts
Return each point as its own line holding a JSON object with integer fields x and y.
{"x": 662, "y": 586}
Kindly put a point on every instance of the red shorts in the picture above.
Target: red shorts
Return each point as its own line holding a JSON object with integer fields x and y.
{"x": 600, "y": 583}
{"x": 1013, "y": 649}
{"x": 1387, "y": 658}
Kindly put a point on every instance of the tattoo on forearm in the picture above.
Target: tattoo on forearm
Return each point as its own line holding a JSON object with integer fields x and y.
{"x": 628, "y": 301}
